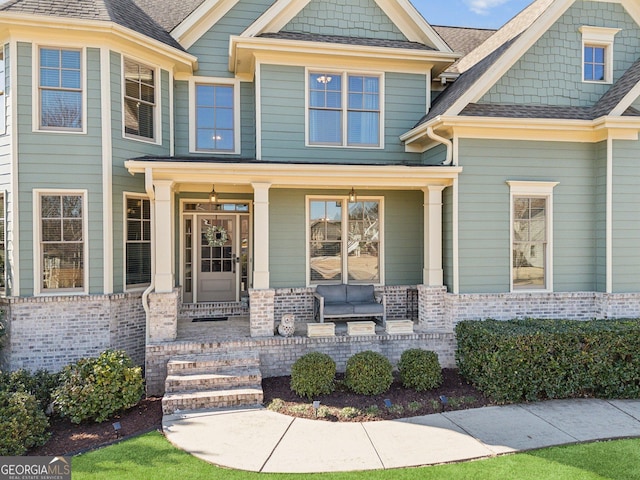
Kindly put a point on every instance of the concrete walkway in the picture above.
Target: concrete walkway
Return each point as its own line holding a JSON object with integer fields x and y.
{"x": 259, "y": 440}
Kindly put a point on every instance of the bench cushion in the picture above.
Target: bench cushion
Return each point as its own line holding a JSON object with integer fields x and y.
{"x": 367, "y": 308}
{"x": 360, "y": 293}
{"x": 332, "y": 293}
{"x": 339, "y": 308}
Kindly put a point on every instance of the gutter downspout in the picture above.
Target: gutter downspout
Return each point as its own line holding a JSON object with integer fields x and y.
{"x": 148, "y": 186}
{"x": 432, "y": 135}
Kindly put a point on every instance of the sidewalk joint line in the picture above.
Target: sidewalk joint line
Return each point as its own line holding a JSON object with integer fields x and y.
{"x": 548, "y": 422}
{"x": 373, "y": 446}
{"x": 293, "y": 419}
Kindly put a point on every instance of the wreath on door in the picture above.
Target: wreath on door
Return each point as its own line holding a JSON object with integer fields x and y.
{"x": 216, "y": 236}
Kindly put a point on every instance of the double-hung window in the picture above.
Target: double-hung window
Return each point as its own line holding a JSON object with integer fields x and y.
{"x": 60, "y": 89}
{"x": 138, "y": 241}
{"x": 344, "y": 240}
{"x": 214, "y": 116}
{"x": 531, "y": 234}
{"x": 344, "y": 109}
{"x": 597, "y": 54}
{"x": 139, "y": 100}
{"x": 61, "y": 242}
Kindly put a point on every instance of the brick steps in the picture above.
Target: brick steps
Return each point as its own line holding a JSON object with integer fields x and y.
{"x": 221, "y": 379}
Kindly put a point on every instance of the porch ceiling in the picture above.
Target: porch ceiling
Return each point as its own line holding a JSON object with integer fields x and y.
{"x": 298, "y": 175}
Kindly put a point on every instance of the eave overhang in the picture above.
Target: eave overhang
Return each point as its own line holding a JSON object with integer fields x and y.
{"x": 556, "y": 130}
{"x": 92, "y": 33}
{"x": 245, "y": 52}
{"x": 299, "y": 175}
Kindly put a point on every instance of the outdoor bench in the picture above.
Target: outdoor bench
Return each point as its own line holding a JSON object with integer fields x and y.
{"x": 347, "y": 301}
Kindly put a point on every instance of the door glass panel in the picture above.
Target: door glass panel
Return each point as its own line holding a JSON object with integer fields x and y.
{"x": 325, "y": 240}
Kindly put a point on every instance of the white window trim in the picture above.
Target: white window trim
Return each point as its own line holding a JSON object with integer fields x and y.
{"x": 35, "y": 88}
{"x": 345, "y": 92}
{"x": 157, "y": 112}
{"x": 599, "y": 37}
{"x": 533, "y": 189}
{"x": 235, "y": 83}
{"x": 139, "y": 287}
{"x": 345, "y": 226}
{"x": 37, "y": 252}
{"x": 3, "y": 200}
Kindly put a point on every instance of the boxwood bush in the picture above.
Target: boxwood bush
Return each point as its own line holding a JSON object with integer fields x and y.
{"x": 420, "y": 369}
{"x": 368, "y": 373}
{"x": 98, "y": 388}
{"x": 536, "y": 359}
{"x": 23, "y": 424}
{"x": 313, "y": 374}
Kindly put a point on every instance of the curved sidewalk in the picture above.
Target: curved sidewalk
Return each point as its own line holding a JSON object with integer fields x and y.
{"x": 259, "y": 440}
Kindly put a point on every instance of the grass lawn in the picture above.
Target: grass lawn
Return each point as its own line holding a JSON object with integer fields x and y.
{"x": 151, "y": 456}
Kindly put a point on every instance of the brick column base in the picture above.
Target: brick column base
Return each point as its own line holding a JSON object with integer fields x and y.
{"x": 163, "y": 316}
{"x": 432, "y": 314}
{"x": 262, "y": 312}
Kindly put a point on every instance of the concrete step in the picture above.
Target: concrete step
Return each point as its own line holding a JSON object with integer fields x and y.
{"x": 221, "y": 378}
{"x": 210, "y": 362}
{"x": 193, "y": 400}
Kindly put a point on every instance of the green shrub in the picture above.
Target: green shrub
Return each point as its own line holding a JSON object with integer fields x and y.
{"x": 368, "y": 373}
{"x": 537, "y": 359}
{"x": 97, "y": 388}
{"x": 40, "y": 384}
{"x": 420, "y": 369}
{"x": 23, "y": 424}
{"x": 313, "y": 374}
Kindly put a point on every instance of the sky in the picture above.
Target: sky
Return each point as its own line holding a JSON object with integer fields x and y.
{"x": 470, "y": 13}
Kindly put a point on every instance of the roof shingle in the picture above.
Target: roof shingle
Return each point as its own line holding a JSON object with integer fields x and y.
{"x": 368, "y": 42}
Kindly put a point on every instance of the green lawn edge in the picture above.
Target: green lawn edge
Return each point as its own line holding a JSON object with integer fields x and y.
{"x": 152, "y": 456}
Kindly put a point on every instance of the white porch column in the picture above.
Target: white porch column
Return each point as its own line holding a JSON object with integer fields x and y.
{"x": 163, "y": 225}
{"x": 261, "y": 235}
{"x": 432, "y": 275}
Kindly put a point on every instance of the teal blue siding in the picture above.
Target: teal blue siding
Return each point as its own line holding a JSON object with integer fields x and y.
{"x": 601, "y": 216}
{"x": 626, "y": 217}
{"x": 484, "y": 224}
{"x": 283, "y": 118}
{"x": 212, "y": 49}
{"x": 550, "y": 73}
{"x": 65, "y": 168}
{"x": 181, "y": 117}
{"x": 435, "y": 156}
{"x": 361, "y": 18}
{"x": 447, "y": 238}
{"x": 403, "y": 247}
{"x": 124, "y": 149}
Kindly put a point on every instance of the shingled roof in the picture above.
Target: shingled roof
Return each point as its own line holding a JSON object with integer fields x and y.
{"x": 462, "y": 40}
{"x": 168, "y": 13}
{"x": 368, "y": 42}
{"x": 122, "y": 12}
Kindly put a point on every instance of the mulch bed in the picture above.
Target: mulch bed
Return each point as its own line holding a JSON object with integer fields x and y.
{"x": 404, "y": 402}
{"x": 68, "y": 438}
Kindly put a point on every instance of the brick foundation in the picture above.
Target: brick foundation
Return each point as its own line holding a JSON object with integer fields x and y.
{"x": 51, "y": 332}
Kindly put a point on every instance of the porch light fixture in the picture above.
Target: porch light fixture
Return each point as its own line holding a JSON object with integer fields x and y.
{"x": 352, "y": 195}
{"x": 213, "y": 196}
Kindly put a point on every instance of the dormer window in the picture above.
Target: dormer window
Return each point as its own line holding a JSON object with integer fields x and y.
{"x": 597, "y": 54}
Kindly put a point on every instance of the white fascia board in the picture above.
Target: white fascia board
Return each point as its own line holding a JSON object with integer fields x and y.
{"x": 276, "y": 17}
{"x": 201, "y": 20}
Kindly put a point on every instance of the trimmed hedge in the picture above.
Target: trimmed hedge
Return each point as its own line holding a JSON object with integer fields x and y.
{"x": 23, "y": 424}
{"x": 530, "y": 360}
{"x": 313, "y": 374}
{"x": 368, "y": 373}
{"x": 98, "y": 388}
{"x": 420, "y": 369}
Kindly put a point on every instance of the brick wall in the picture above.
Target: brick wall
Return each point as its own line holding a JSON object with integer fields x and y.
{"x": 51, "y": 332}
{"x": 278, "y": 354}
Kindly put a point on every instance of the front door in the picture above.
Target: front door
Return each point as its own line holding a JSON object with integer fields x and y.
{"x": 217, "y": 265}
